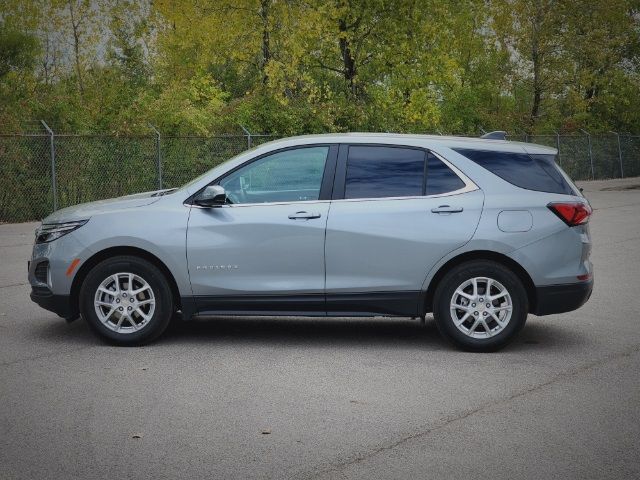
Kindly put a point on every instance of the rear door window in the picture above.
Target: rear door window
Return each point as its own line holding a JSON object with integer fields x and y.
{"x": 379, "y": 171}
{"x": 375, "y": 172}
{"x": 532, "y": 172}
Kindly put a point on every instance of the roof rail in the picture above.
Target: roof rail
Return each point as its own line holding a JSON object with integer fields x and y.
{"x": 497, "y": 135}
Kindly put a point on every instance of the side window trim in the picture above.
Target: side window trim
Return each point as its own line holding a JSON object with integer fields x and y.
{"x": 326, "y": 186}
{"x": 425, "y": 172}
{"x": 341, "y": 174}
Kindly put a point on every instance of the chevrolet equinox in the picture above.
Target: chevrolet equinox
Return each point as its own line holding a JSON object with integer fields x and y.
{"x": 479, "y": 232}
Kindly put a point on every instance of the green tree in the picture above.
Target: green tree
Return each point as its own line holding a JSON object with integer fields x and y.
{"x": 18, "y": 51}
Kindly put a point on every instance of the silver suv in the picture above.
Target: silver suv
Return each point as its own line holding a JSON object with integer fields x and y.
{"x": 479, "y": 232}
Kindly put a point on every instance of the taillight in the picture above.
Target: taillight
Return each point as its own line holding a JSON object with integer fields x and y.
{"x": 571, "y": 213}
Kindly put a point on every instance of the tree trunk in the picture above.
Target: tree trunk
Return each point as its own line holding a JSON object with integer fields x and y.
{"x": 266, "y": 50}
{"x": 537, "y": 87}
{"x": 76, "y": 47}
{"x": 536, "y": 58}
{"x": 348, "y": 62}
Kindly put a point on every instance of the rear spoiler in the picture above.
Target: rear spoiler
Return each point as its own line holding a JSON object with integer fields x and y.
{"x": 497, "y": 135}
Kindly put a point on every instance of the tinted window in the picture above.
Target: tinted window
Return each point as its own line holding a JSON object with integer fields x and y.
{"x": 533, "y": 172}
{"x": 287, "y": 176}
{"x": 374, "y": 172}
{"x": 440, "y": 178}
{"x": 548, "y": 163}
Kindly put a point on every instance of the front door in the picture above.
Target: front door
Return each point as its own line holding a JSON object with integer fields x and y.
{"x": 264, "y": 251}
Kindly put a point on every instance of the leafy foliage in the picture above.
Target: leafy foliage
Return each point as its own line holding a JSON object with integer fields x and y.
{"x": 293, "y": 66}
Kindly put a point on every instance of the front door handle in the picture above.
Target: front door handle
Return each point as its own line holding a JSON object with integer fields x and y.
{"x": 443, "y": 209}
{"x": 304, "y": 215}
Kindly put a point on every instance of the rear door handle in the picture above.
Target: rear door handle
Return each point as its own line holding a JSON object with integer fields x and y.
{"x": 304, "y": 215}
{"x": 446, "y": 209}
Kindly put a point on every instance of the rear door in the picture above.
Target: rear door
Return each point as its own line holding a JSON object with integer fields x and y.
{"x": 396, "y": 212}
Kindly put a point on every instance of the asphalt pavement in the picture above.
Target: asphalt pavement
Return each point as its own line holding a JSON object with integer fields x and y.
{"x": 330, "y": 398}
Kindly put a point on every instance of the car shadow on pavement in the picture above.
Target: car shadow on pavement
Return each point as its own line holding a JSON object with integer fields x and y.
{"x": 298, "y": 331}
{"x": 57, "y": 331}
{"x": 294, "y": 332}
{"x": 349, "y": 331}
{"x": 540, "y": 336}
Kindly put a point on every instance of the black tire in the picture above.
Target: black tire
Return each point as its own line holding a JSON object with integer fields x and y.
{"x": 455, "y": 278}
{"x": 162, "y": 313}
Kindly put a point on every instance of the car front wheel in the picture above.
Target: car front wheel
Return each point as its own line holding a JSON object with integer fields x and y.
{"x": 480, "y": 305}
{"x": 126, "y": 300}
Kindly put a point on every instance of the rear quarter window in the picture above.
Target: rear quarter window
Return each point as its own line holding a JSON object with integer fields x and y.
{"x": 440, "y": 178}
{"x": 532, "y": 172}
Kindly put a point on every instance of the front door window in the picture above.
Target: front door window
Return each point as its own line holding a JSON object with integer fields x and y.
{"x": 287, "y": 176}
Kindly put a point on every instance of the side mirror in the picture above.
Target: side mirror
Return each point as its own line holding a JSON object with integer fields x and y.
{"x": 211, "y": 196}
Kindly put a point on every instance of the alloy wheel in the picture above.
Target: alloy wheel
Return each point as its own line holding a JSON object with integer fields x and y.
{"x": 124, "y": 302}
{"x": 481, "y": 307}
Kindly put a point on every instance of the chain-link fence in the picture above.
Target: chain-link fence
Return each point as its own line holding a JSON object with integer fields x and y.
{"x": 43, "y": 173}
{"x": 593, "y": 157}
{"x": 40, "y": 173}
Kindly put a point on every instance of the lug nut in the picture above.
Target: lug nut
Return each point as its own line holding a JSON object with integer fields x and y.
{"x": 117, "y": 300}
{"x": 482, "y": 299}
{"x": 128, "y": 308}
{"x": 473, "y": 304}
{"x": 131, "y": 300}
{"x": 488, "y": 305}
{"x": 475, "y": 313}
{"x": 124, "y": 294}
{"x": 484, "y": 314}
{"x": 120, "y": 309}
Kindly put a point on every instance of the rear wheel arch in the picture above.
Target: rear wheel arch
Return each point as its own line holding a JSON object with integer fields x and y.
{"x": 511, "y": 264}
{"x": 98, "y": 257}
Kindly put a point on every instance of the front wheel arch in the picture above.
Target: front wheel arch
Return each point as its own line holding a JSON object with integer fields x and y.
{"x": 511, "y": 264}
{"x": 98, "y": 257}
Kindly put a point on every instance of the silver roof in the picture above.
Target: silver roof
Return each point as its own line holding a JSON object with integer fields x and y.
{"x": 421, "y": 140}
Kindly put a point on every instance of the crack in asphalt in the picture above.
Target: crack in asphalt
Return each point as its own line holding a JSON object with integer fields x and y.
{"x": 14, "y": 285}
{"x": 625, "y": 240}
{"x": 339, "y": 467}
{"x": 44, "y": 355}
{"x": 616, "y": 206}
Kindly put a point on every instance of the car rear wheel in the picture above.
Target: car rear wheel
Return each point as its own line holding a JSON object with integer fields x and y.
{"x": 126, "y": 300}
{"x": 480, "y": 305}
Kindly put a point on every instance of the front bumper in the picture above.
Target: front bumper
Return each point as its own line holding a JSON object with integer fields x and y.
{"x": 58, "y": 304}
{"x": 51, "y": 284}
{"x": 562, "y": 298}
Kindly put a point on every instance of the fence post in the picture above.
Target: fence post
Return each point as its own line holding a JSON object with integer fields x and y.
{"x": 558, "y": 148}
{"x": 158, "y": 156}
{"x": 525, "y": 135}
{"x": 619, "y": 153}
{"x": 248, "y": 134}
{"x": 52, "y": 152}
{"x": 593, "y": 176}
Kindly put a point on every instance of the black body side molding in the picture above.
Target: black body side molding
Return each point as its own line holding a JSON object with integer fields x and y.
{"x": 401, "y": 304}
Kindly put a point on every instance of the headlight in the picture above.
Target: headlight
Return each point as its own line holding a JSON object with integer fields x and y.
{"x": 51, "y": 232}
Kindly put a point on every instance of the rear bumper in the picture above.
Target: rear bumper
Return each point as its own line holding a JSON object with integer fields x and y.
{"x": 58, "y": 304}
{"x": 562, "y": 298}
